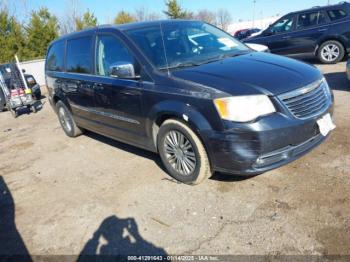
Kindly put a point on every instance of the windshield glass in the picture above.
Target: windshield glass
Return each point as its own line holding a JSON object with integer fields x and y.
{"x": 185, "y": 43}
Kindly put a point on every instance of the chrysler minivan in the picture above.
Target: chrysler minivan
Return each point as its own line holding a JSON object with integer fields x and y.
{"x": 190, "y": 92}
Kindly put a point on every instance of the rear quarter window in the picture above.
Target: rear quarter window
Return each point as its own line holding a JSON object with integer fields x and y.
{"x": 55, "y": 57}
{"x": 337, "y": 14}
{"x": 79, "y": 55}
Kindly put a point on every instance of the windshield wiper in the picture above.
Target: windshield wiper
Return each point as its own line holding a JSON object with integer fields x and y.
{"x": 221, "y": 57}
{"x": 180, "y": 65}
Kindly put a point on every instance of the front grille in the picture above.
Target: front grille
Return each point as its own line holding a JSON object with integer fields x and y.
{"x": 309, "y": 101}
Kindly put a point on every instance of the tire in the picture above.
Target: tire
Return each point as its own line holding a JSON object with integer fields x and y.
{"x": 14, "y": 112}
{"x": 189, "y": 166}
{"x": 331, "y": 52}
{"x": 2, "y": 101}
{"x": 33, "y": 109}
{"x": 66, "y": 120}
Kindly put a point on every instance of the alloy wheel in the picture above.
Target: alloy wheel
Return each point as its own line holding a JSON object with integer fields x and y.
{"x": 64, "y": 118}
{"x": 180, "y": 153}
{"x": 330, "y": 52}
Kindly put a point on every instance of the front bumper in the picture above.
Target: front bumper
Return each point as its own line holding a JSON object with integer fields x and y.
{"x": 271, "y": 142}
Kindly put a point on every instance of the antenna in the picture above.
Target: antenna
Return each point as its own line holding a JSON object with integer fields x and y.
{"x": 166, "y": 57}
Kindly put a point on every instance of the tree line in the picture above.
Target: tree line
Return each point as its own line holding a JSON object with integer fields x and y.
{"x": 30, "y": 39}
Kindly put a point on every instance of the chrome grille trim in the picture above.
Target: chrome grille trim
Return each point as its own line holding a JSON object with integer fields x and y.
{"x": 309, "y": 101}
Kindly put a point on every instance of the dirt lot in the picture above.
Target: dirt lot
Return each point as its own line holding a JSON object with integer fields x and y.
{"x": 92, "y": 195}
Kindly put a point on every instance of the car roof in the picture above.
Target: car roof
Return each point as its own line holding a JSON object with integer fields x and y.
{"x": 327, "y": 7}
{"x": 123, "y": 27}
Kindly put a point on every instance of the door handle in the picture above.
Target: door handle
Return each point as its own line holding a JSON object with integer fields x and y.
{"x": 286, "y": 37}
{"x": 130, "y": 92}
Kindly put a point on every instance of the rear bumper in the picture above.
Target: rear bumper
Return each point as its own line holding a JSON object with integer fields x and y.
{"x": 256, "y": 148}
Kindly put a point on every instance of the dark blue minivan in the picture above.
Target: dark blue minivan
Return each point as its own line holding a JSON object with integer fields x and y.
{"x": 190, "y": 92}
{"x": 321, "y": 31}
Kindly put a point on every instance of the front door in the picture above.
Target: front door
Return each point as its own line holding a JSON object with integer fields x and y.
{"x": 278, "y": 36}
{"x": 118, "y": 101}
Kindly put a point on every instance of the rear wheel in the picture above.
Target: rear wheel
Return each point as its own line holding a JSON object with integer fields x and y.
{"x": 331, "y": 52}
{"x": 33, "y": 109}
{"x": 13, "y": 112}
{"x": 2, "y": 101}
{"x": 66, "y": 120}
{"x": 183, "y": 153}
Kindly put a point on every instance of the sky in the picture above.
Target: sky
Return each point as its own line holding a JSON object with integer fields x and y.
{"x": 106, "y": 10}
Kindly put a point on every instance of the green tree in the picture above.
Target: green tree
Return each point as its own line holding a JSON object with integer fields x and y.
{"x": 175, "y": 11}
{"x": 42, "y": 29}
{"x": 124, "y": 18}
{"x": 87, "y": 20}
{"x": 11, "y": 37}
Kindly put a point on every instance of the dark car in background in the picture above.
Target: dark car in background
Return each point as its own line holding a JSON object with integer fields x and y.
{"x": 321, "y": 31}
{"x": 245, "y": 33}
{"x": 190, "y": 92}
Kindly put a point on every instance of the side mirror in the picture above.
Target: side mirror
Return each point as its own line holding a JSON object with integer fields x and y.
{"x": 124, "y": 70}
{"x": 269, "y": 31}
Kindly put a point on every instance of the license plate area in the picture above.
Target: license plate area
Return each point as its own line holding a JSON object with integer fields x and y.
{"x": 326, "y": 124}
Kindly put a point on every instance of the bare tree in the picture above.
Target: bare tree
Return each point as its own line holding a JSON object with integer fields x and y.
{"x": 72, "y": 14}
{"x": 206, "y": 16}
{"x": 223, "y": 19}
{"x": 142, "y": 14}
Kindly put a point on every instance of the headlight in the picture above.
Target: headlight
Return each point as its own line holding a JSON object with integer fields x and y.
{"x": 327, "y": 88}
{"x": 244, "y": 108}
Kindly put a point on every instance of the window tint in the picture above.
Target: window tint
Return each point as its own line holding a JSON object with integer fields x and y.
{"x": 110, "y": 51}
{"x": 79, "y": 55}
{"x": 337, "y": 14}
{"x": 284, "y": 25}
{"x": 55, "y": 57}
{"x": 310, "y": 20}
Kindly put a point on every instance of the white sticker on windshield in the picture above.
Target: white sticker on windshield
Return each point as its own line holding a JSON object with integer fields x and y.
{"x": 227, "y": 42}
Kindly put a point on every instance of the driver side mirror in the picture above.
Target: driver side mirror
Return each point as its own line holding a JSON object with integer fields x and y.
{"x": 123, "y": 70}
{"x": 269, "y": 31}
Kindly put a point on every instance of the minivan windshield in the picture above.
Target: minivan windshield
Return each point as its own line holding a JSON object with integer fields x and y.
{"x": 185, "y": 43}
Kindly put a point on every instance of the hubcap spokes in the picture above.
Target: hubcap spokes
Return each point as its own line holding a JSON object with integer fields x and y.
{"x": 179, "y": 153}
{"x": 330, "y": 53}
{"x": 64, "y": 119}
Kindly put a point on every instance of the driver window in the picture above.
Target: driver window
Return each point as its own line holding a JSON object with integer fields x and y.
{"x": 284, "y": 25}
{"x": 108, "y": 52}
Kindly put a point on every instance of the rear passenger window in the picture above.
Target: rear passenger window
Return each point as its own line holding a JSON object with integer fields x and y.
{"x": 336, "y": 14}
{"x": 79, "y": 55}
{"x": 310, "y": 20}
{"x": 55, "y": 57}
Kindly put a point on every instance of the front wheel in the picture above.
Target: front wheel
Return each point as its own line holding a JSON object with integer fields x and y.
{"x": 183, "y": 153}
{"x": 66, "y": 120}
{"x": 331, "y": 52}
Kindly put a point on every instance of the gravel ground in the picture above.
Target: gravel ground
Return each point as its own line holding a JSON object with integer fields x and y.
{"x": 92, "y": 195}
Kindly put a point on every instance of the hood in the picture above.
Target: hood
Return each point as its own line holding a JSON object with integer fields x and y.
{"x": 253, "y": 73}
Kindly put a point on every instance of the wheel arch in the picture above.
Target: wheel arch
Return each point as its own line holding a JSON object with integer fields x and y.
{"x": 59, "y": 97}
{"x": 179, "y": 111}
{"x": 330, "y": 38}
